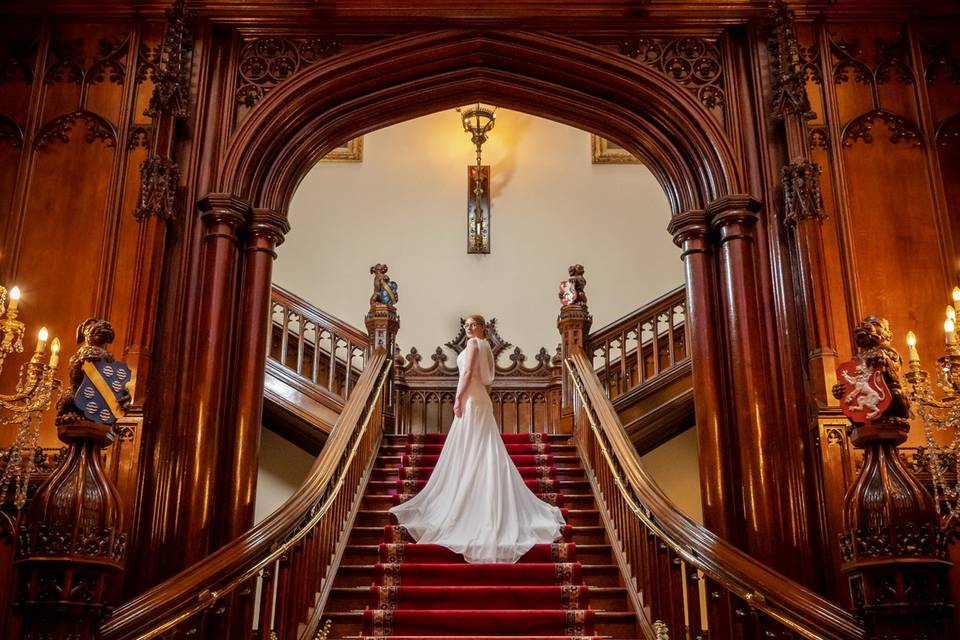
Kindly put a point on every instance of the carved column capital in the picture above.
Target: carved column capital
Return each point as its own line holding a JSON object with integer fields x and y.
{"x": 734, "y": 216}
{"x": 159, "y": 179}
{"x": 803, "y": 199}
{"x": 223, "y": 213}
{"x": 267, "y": 230}
{"x": 691, "y": 231}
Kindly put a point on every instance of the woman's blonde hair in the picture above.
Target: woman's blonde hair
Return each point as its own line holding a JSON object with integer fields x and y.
{"x": 480, "y": 321}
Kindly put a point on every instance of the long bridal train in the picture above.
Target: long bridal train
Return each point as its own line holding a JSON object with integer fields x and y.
{"x": 476, "y": 501}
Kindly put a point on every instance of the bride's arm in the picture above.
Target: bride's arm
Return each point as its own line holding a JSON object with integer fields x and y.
{"x": 467, "y": 376}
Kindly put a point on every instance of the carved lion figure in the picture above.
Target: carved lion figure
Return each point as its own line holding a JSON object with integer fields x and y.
{"x": 572, "y": 289}
{"x": 380, "y": 280}
{"x": 93, "y": 335}
{"x": 873, "y": 338}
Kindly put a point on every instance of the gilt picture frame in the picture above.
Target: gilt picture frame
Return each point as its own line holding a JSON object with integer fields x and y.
{"x": 349, "y": 151}
{"x": 604, "y": 151}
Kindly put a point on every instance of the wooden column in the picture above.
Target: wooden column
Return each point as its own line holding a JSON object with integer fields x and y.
{"x": 733, "y": 219}
{"x": 197, "y": 488}
{"x": 265, "y": 233}
{"x": 691, "y": 232}
{"x": 574, "y": 324}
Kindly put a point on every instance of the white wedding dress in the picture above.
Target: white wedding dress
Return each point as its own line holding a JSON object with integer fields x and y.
{"x": 475, "y": 501}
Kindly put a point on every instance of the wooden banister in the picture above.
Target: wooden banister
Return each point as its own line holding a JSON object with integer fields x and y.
{"x": 314, "y": 345}
{"x": 633, "y": 350}
{"x": 670, "y": 553}
{"x": 278, "y": 557}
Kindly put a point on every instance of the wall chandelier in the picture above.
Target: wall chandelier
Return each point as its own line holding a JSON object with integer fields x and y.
{"x": 940, "y": 416}
{"x": 32, "y": 395}
{"x": 478, "y": 120}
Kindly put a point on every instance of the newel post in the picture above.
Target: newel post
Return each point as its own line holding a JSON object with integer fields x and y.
{"x": 383, "y": 323}
{"x": 71, "y": 548}
{"x": 892, "y": 546}
{"x": 574, "y": 325}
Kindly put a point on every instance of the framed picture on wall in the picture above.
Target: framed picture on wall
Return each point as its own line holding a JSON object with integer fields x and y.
{"x": 349, "y": 151}
{"x": 606, "y": 152}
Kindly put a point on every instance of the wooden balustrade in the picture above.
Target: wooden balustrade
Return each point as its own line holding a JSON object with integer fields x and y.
{"x": 642, "y": 345}
{"x": 314, "y": 345}
{"x": 274, "y": 571}
{"x": 684, "y": 575}
{"x": 525, "y": 400}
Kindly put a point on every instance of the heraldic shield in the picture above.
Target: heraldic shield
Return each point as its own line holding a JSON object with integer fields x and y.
{"x": 865, "y": 394}
{"x": 389, "y": 295}
{"x": 103, "y": 390}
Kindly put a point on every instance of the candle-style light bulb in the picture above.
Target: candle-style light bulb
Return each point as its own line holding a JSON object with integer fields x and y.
{"x": 14, "y": 302}
{"x": 42, "y": 339}
{"x": 914, "y": 355}
{"x": 54, "y": 353}
{"x": 951, "y": 312}
{"x": 955, "y": 294}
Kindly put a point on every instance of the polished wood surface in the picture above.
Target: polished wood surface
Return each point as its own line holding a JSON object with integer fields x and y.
{"x": 671, "y": 554}
{"x": 882, "y": 89}
{"x": 285, "y": 554}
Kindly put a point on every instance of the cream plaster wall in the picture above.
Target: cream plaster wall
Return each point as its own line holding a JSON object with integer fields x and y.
{"x": 283, "y": 466}
{"x": 405, "y": 205}
{"x": 675, "y": 466}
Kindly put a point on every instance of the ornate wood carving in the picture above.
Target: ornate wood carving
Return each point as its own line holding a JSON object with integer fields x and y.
{"x": 801, "y": 192}
{"x": 59, "y": 130}
{"x": 10, "y": 132}
{"x": 17, "y": 60}
{"x": 159, "y": 179}
{"x": 901, "y": 129}
{"x": 819, "y": 138}
{"x": 939, "y": 65}
{"x": 459, "y": 342}
{"x": 892, "y": 548}
{"x": 693, "y": 63}
{"x": 140, "y": 136}
{"x": 790, "y": 73}
{"x": 948, "y": 133}
{"x": 171, "y": 69}
{"x": 266, "y": 62}
{"x": 72, "y": 545}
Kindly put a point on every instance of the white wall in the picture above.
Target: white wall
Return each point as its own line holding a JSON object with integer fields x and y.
{"x": 676, "y": 467}
{"x": 405, "y": 205}
{"x": 283, "y": 466}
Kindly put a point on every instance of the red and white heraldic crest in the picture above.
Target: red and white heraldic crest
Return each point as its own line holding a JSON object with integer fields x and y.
{"x": 865, "y": 393}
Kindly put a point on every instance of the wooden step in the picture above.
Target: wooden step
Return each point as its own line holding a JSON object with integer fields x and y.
{"x": 552, "y": 438}
{"x": 390, "y": 448}
{"x": 573, "y": 501}
{"x": 371, "y": 518}
{"x": 359, "y": 575}
{"x": 563, "y": 485}
{"x": 562, "y": 473}
{"x": 369, "y": 554}
{"x": 613, "y": 624}
{"x": 358, "y": 598}
{"x": 581, "y": 535}
{"x": 560, "y": 460}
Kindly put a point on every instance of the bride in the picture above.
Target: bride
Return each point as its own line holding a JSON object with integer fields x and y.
{"x": 475, "y": 501}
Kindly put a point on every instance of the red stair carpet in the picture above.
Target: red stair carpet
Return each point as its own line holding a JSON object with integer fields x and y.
{"x": 428, "y": 591}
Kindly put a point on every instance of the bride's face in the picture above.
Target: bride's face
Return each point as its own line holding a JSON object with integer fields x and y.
{"x": 473, "y": 329}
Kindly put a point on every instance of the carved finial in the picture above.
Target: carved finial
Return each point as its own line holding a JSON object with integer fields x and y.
{"x": 439, "y": 356}
{"x": 572, "y": 289}
{"x": 171, "y": 86}
{"x": 517, "y": 356}
{"x": 385, "y": 290}
{"x": 103, "y": 397}
{"x": 790, "y": 92}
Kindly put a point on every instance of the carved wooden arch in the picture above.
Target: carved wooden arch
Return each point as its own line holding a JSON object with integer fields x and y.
{"x": 402, "y": 78}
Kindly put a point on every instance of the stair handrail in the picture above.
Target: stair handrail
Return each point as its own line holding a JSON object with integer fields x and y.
{"x": 672, "y": 298}
{"x": 315, "y": 314}
{"x": 759, "y": 586}
{"x": 202, "y": 585}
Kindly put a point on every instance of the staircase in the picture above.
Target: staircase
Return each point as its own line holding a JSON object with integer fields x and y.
{"x": 386, "y": 585}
